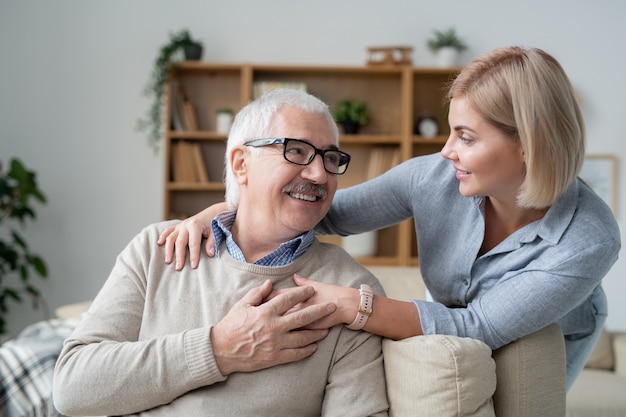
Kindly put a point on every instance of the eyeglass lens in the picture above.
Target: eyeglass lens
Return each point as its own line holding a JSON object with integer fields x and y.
{"x": 303, "y": 153}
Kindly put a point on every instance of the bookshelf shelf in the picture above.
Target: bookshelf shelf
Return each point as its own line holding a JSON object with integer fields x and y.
{"x": 396, "y": 95}
{"x": 440, "y": 140}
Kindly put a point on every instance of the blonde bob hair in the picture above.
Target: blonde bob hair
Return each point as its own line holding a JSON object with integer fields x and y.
{"x": 526, "y": 94}
{"x": 254, "y": 121}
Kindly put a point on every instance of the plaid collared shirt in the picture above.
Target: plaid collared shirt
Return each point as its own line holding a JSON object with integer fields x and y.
{"x": 283, "y": 255}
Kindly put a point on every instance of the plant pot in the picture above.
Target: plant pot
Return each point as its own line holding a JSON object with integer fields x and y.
{"x": 361, "y": 245}
{"x": 193, "y": 51}
{"x": 350, "y": 127}
{"x": 224, "y": 121}
{"x": 447, "y": 57}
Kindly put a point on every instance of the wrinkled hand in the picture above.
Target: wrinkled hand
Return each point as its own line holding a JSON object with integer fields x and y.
{"x": 190, "y": 232}
{"x": 257, "y": 335}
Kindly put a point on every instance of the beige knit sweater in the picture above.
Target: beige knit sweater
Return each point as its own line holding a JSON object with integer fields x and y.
{"x": 144, "y": 347}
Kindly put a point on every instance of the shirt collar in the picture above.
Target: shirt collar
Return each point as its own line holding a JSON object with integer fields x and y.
{"x": 286, "y": 253}
{"x": 549, "y": 228}
{"x": 553, "y": 225}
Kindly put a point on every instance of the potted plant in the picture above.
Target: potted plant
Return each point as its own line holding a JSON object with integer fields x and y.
{"x": 351, "y": 115}
{"x": 17, "y": 186}
{"x": 179, "y": 46}
{"x": 447, "y": 45}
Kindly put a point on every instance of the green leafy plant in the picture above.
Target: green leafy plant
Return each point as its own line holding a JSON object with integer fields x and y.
{"x": 179, "y": 46}
{"x": 355, "y": 111}
{"x": 445, "y": 38}
{"x": 17, "y": 186}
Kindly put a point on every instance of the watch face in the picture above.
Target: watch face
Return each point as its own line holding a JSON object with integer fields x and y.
{"x": 427, "y": 127}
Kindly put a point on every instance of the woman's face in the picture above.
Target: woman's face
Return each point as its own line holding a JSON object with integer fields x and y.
{"x": 487, "y": 162}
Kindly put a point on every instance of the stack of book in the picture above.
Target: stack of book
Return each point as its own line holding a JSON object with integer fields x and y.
{"x": 382, "y": 158}
{"x": 188, "y": 163}
{"x": 183, "y": 112}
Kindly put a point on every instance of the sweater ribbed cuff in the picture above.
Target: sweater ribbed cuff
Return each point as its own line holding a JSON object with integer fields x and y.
{"x": 199, "y": 356}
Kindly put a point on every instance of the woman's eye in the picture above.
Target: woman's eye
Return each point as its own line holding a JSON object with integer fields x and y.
{"x": 465, "y": 139}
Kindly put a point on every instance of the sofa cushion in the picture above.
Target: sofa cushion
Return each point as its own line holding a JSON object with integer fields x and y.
{"x": 439, "y": 376}
{"x": 602, "y": 355}
{"x": 619, "y": 353}
{"x": 597, "y": 393}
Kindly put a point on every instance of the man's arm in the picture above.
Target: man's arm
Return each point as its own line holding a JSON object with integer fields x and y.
{"x": 104, "y": 367}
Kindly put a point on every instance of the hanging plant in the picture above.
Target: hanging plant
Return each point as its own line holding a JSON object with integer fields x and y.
{"x": 180, "y": 46}
{"x": 17, "y": 186}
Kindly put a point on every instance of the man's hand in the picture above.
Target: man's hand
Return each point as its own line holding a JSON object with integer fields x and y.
{"x": 257, "y": 335}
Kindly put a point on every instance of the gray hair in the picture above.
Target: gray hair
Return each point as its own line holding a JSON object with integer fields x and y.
{"x": 254, "y": 121}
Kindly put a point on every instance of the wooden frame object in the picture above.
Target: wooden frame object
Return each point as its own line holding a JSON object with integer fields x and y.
{"x": 389, "y": 55}
{"x": 600, "y": 172}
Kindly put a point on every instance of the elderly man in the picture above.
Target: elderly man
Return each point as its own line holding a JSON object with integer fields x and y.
{"x": 229, "y": 337}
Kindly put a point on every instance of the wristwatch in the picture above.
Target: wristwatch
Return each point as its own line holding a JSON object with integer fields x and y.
{"x": 365, "y": 308}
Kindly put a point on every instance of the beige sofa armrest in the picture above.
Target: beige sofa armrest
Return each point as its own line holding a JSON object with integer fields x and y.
{"x": 531, "y": 375}
{"x": 443, "y": 376}
{"x": 72, "y": 311}
{"x": 619, "y": 350}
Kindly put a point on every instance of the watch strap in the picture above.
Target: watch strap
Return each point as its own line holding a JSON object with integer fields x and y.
{"x": 365, "y": 308}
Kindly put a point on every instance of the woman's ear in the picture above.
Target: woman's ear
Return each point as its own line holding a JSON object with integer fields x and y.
{"x": 238, "y": 163}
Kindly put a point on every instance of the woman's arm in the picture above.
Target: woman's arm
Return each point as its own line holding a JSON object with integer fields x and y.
{"x": 375, "y": 204}
{"x": 390, "y": 318}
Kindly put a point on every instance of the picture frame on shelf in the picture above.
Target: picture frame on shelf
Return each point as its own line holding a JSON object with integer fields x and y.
{"x": 600, "y": 172}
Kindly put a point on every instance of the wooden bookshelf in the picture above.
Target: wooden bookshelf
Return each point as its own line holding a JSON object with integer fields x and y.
{"x": 397, "y": 95}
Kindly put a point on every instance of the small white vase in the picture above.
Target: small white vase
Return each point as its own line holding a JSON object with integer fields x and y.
{"x": 224, "y": 121}
{"x": 361, "y": 245}
{"x": 447, "y": 57}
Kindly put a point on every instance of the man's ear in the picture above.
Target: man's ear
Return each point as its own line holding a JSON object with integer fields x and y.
{"x": 239, "y": 164}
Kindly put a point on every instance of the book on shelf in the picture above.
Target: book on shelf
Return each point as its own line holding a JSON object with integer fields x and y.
{"x": 178, "y": 161}
{"x": 382, "y": 158}
{"x": 184, "y": 116}
{"x": 177, "y": 107}
{"x": 189, "y": 167}
{"x": 200, "y": 167}
{"x": 261, "y": 87}
{"x": 188, "y": 163}
{"x": 190, "y": 115}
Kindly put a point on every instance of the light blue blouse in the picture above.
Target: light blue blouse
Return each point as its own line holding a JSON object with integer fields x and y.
{"x": 543, "y": 273}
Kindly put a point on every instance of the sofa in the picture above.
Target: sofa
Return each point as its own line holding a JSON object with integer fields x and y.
{"x": 443, "y": 376}
{"x": 600, "y": 390}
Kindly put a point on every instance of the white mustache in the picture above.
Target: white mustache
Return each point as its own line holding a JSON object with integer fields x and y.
{"x": 307, "y": 188}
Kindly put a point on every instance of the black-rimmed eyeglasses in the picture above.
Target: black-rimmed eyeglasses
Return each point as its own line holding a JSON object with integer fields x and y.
{"x": 300, "y": 152}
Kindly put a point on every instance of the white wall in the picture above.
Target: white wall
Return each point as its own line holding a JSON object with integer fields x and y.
{"x": 71, "y": 75}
